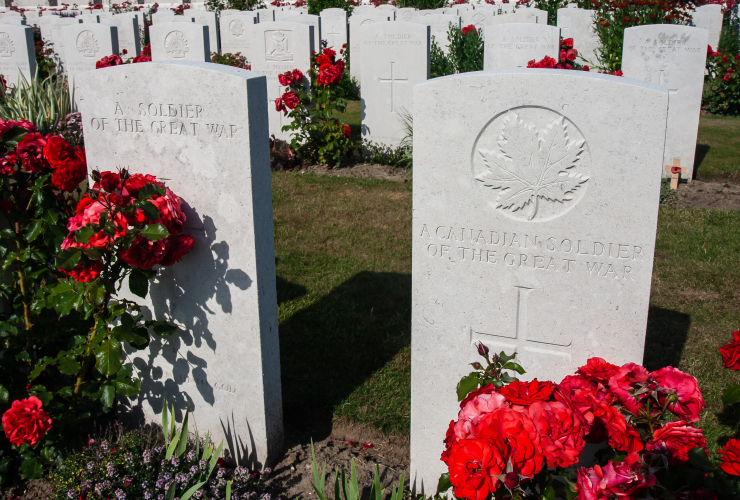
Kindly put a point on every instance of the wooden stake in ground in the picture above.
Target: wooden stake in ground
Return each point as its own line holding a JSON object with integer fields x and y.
{"x": 676, "y": 170}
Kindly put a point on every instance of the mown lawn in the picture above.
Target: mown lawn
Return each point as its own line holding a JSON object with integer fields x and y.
{"x": 717, "y": 148}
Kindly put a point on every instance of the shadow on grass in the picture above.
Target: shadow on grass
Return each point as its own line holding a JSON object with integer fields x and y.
{"x": 665, "y": 337}
{"x": 287, "y": 291}
{"x": 701, "y": 153}
{"x": 330, "y": 348}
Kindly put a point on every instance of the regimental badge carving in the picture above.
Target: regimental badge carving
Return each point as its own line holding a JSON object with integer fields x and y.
{"x": 532, "y": 164}
{"x": 236, "y": 28}
{"x": 279, "y": 45}
{"x": 176, "y": 44}
{"x": 6, "y": 45}
{"x": 87, "y": 44}
{"x": 408, "y": 15}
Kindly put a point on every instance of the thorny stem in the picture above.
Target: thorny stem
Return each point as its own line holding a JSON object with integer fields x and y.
{"x": 21, "y": 281}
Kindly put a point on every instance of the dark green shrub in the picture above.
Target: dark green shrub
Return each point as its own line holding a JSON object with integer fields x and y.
{"x": 722, "y": 84}
{"x": 465, "y": 53}
{"x": 439, "y": 64}
{"x": 316, "y": 6}
{"x": 421, "y": 4}
{"x": 236, "y": 60}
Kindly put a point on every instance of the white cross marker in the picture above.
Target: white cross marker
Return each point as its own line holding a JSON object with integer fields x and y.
{"x": 392, "y": 80}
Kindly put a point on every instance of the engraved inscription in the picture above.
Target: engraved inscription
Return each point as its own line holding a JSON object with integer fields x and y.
{"x": 236, "y": 28}
{"x": 531, "y": 163}
{"x": 6, "y": 45}
{"x": 546, "y": 253}
{"x": 279, "y": 45}
{"x": 394, "y": 39}
{"x": 87, "y": 44}
{"x": 522, "y": 43}
{"x": 663, "y": 44}
{"x": 176, "y": 44}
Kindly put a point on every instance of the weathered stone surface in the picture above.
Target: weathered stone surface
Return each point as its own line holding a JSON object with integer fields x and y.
{"x": 308, "y": 19}
{"x": 279, "y": 47}
{"x": 395, "y": 57}
{"x": 405, "y": 14}
{"x": 334, "y": 28}
{"x": 85, "y": 44}
{"x": 478, "y": 18}
{"x": 710, "y": 18}
{"x": 128, "y": 32}
{"x": 17, "y": 53}
{"x": 265, "y": 15}
{"x": 180, "y": 42}
{"x": 209, "y": 19}
{"x": 57, "y": 38}
{"x": 237, "y": 34}
{"x": 553, "y": 260}
{"x": 675, "y": 57}
{"x": 439, "y": 25}
{"x": 513, "y": 45}
{"x": 203, "y": 128}
{"x": 356, "y": 20}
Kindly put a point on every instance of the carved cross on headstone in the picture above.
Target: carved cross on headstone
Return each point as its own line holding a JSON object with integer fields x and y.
{"x": 520, "y": 342}
{"x": 675, "y": 170}
{"x": 334, "y": 33}
{"x": 392, "y": 80}
{"x": 272, "y": 101}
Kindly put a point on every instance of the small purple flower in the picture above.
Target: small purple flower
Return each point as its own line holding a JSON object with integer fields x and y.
{"x": 120, "y": 495}
{"x": 90, "y": 465}
{"x": 147, "y": 495}
{"x": 72, "y": 494}
{"x": 99, "y": 489}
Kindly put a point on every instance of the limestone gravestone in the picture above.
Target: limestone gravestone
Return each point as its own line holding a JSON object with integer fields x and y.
{"x": 17, "y": 54}
{"x": 513, "y": 45}
{"x": 180, "y": 42}
{"x": 237, "y": 34}
{"x": 308, "y": 19}
{"x": 129, "y": 38}
{"x": 85, "y": 44}
{"x": 478, "y": 18}
{"x": 12, "y": 18}
{"x": 405, "y": 14}
{"x": 532, "y": 231}
{"x": 202, "y": 129}
{"x": 89, "y": 18}
{"x": 265, "y": 15}
{"x": 578, "y": 24}
{"x": 675, "y": 57}
{"x": 209, "y": 19}
{"x": 279, "y": 47}
{"x": 355, "y": 21}
{"x": 439, "y": 25}
{"x": 395, "y": 57}
{"x": 520, "y": 16}
{"x": 710, "y": 18}
{"x": 57, "y": 38}
{"x": 334, "y": 28}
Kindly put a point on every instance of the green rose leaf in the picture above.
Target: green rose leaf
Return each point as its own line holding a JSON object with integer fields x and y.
{"x": 731, "y": 394}
{"x": 444, "y": 483}
{"x": 3, "y": 394}
{"x": 69, "y": 365}
{"x": 699, "y": 459}
{"x": 84, "y": 234}
{"x": 68, "y": 259}
{"x": 108, "y": 357}
{"x": 129, "y": 389}
{"x": 34, "y": 230}
{"x": 155, "y": 232}
{"x": 466, "y": 385}
{"x": 150, "y": 190}
{"x": 31, "y": 468}
{"x": 108, "y": 395}
{"x": 138, "y": 283}
{"x": 150, "y": 210}
{"x": 515, "y": 367}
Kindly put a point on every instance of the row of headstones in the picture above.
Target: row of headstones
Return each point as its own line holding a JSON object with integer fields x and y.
{"x": 559, "y": 275}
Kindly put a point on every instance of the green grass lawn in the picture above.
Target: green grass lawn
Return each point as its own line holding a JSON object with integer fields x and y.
{"x": 717, "y": 148}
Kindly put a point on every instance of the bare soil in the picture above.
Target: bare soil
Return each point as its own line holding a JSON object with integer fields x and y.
{"x": 699, "y": 194}
{"x": 363, "y": 170}
{"x": 35, "y": 490}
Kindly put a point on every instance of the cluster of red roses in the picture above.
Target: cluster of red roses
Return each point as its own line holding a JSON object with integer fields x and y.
{"x": 469, "y": 30}
{"x": 289, "y": 100}
{"x": 726, "y": 65}
{"x": 114, "y": 60}
{"x": 25, "y": 422}
{"x": 328, "y": 69}
{"x": 113, "y": 193}
{"x": 505, "y": 436}
{"x": 731, "y": 352}
{"x": 567, "y": 60}
{"x": 37, "y": 153}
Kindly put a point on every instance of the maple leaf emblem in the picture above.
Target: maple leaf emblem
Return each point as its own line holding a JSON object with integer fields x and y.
{"x": 531, "y": 165}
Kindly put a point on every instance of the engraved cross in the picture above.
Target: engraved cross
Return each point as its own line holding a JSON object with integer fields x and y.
{"x": 334, "y": 33}
{"x": 520, "y": 341}
{"x": 392, "y": 80}
{"x": 279, "y": 112}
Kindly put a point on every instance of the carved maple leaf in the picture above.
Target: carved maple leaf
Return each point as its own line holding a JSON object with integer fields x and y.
{"x": 532, "y": 165}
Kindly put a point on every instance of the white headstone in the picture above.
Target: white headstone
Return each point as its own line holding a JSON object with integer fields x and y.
{"x": 478, "y": 18}
{"x": 386, "y": 6}
{"x": 85, "y": 44}
{"x": 203, "y": 127}
{"x": 579, "y": 25}
{"x": 355, "y": 21}
{"x": 209, "y": 19}
{"x": 439, "y": 25}
{"x": 309, "y": 19}
{"x": 90, "y": 18}
{"x": 32, "y": 17}
{"x": 334, "y": 27}
{"x": 513, "y": 45}
{"x": 237, "y": 34}
{"x": 672, "y": 56}
{"x": 532, "y": 232}
{"x": 237, "y": 11}
{"x": 180, "y": 42}
{"x": 710, "y": 18}
{"x": 57, "y": 38}
{"x": 520, "y": 16}
{"x": 279, "y": 47}
{"x": 265, "y": 15}
{"x": 395, "y": 57}
{"x": 128, "y": 33}
{"x": 452, "y": 11}
{"x": 166, "y": 16}
{"x": 17, "y": 54}
{"x": 12, "y": 17}
{"x": 405, "y": 14}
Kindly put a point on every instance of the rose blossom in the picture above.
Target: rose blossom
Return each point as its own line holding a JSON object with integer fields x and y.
{"x": 685, "y": 387}
{"x": 25, "y": 422}
{"x": 678, "y": 438}
{"x": 614, "y": 480}
{"x": 731, "y": 457}
{"x": 346, "y": 131}
{"x": 85, "y": 274}
{"x": 291, "y": 99}
{"x": 30, "y": 149}
{"x": 597, "y": 370}
{"x": 108, "y": 61}
{"x": 472, "y": 465}
{"x": 286, "y": 79}
{"x": 297, "y": 76}
{"x": 518, "y": 431}
{"x": 620, "y": 435}
{"x": 625, "y": 382}
{"x": 170, "y": 210}
{"x": 731, "y": 352}
{"x": 110, "y": 181}
{"x": 144, "y": 254}
{"x": 477, "y": 404}
{"x": 560, "y": 430}
{"x": 136, "y": 182}
{"x": 68, "y": 176}
{"x": 525, "y": 393}
{"x": 181, "y": 245}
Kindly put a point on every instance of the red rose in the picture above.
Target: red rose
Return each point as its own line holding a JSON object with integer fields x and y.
{"x": 731, "y": 352}
{"x": 144, "y": 254}
{"x": 571, "y": 55}
{"x": 30, "y": 149}
{"x": 25, "y": 422}
{"x": 614, "y": 480}
{"x": 6, "y": 125}
{"x": 291, "y": 99}
{"x": 110, "y": 181}
{"x": 108, "y": 61}
{"x": 678, "y": 438}
{"x": 560, "y": 430}
{"x": 297, "y": 76}
{"x": 628, "y": 380}
{"x": 347, "y": 131}
{"x": 685, "y": 387}
{"x": 8, "y": 162}
{"x": 566, "y": 43}
{"x": 526, "y": 393}
{"x": 731, "y": 457}
{"x": 563, "y": 55}
{"x": 69, "y": 175}
{"x": 136, "y": 182}
{"x": 141, "y": 58}
{"x": 85, "y": 274}
{"x": 517, "y": 430}
{"x": 472, "y": 465}
{"x": 597, "y": 370}
{"x": 330, "y": 52}
{"x": 58, "y": 151}
{"x": 620, "y": 435}
{"x": 467, "y": 30}
{"x": 180, "y": 246}
{"x": 323, "y": 59}
{"x": 474, "y": 407}
{"x": 286, "y": 79}
{"x": 280, "y": 105}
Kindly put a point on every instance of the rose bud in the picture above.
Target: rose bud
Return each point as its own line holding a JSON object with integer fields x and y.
{"x": 482, "y": 349}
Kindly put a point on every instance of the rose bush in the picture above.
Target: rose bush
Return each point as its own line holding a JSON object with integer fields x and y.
{"x": 568, "y": 56}
{"x": 722, "y": 88}
{"x": 65, "y": 250}
{"x": 516, "y": 439}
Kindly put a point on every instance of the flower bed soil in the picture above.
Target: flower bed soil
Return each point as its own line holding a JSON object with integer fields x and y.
{"x": 699, "y": 194}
